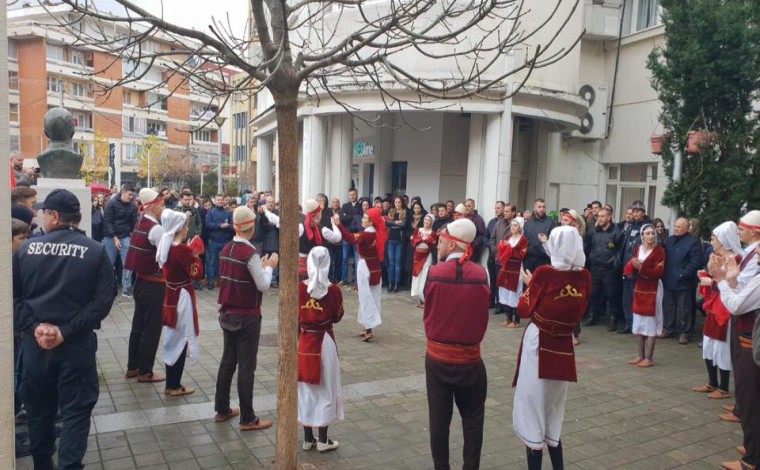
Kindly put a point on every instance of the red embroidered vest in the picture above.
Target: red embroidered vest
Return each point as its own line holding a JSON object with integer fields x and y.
{"x": 238, "y": 294}
{"x": 141, "y": 256}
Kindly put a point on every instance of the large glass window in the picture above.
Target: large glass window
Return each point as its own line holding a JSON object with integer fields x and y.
{"x": 12, "y": 49}
{"x": 12, "y": 80}
{"x": 632, "y": 182}
{"x": 55, "y": 52}
{"x": 398, "y": 177}
{"x": 13, "y": 112}
{"x": 641, "y": 15}
{"x": 130, "y": 152}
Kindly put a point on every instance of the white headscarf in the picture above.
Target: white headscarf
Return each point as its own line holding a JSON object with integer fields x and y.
{"x": 728, "y": 236}
{"x": 172, "y": 222}
{"x": 565, "y": 246}
{"x": 519, "y": 221}
{"x": 318, "y": 267}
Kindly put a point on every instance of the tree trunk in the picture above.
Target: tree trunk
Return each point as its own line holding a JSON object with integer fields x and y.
{"x": 286, "y": 445}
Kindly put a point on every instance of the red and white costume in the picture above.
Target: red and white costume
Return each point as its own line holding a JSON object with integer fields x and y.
{"x": 424, "y": 242}
{"x": 511, "y": 253}
{"x": 555, "y": 300}
{"x": 648, "y": 292}
{"x": 320, "y": 398}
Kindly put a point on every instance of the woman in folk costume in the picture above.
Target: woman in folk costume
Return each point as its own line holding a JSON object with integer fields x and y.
{"x": 320, "y": 398}
{"x": 716, "y": 350}
{"x": 181, "y": 266}
{"x": 511, "y": 252}
{"x": 423, "y": 242}
{"x": 312, "y": 231}
{"x": 371, "y": 246}
{"x": 555, "y": 300}
{"x": 648, "y": 266}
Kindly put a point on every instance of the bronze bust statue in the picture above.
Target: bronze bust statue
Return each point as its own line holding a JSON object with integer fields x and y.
{"x": 60, "y": 160}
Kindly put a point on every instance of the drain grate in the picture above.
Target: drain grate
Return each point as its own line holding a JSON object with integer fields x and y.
{"x": 269, "y": 340}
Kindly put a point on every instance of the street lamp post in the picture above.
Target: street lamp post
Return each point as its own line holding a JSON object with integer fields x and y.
{"x": 219, "y": 120}
{"x": 148, "y": 145}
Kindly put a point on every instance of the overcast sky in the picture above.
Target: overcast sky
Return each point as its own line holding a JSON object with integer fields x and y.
{"x": 198, "y": 13}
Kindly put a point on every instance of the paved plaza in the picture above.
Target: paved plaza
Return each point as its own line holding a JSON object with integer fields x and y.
{"x": 618, "y": 416}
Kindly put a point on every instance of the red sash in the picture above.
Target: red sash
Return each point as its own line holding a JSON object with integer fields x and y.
{"x": 451, "y": 353}
{"x": 420, "y": 257}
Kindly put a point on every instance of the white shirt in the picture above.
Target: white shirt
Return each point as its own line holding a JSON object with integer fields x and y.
{"x": 156, "y": 232}
{"x": 752, "y": 267}
{"x": 742, "y": 300}
{"x": 262, "y": 275}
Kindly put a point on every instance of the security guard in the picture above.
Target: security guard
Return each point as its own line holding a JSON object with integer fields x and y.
{"x": 63, "y": 286}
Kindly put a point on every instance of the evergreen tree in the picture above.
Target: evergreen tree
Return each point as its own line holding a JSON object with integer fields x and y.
{"x": 708, "y": 78}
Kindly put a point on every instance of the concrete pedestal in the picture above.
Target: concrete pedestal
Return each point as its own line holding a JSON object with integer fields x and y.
{"x": 46, "y": 185}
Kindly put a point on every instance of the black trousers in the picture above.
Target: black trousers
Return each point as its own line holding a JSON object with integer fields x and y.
{"x": 146, "y": 325}
{"x": 606, "y": 289}
{"x": 465, "y": 385}
{"x": 677, "y": 307}
{"x": 628, "y": 286}
{"x": 67, "y": 378}
{"x": 748, "y": 400}
{"x": 241, "y": 346}
{"x": 493, "y": 271}
{"x": 336, "y": 262}
{"x": 174, "y": 373}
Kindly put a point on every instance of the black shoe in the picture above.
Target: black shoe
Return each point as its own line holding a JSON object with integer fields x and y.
{"x": 395, "y": 288}
{"x": 211, "y": 286}
{"x": 590, "y": 321}
{"x": 390, "y": 288}
{"x": 612, "y": 325}
{"x": 624, "y": 331}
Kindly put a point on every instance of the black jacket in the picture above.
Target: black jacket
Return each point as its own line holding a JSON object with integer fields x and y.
{"x": 97, "y": 224}
{"x": 603, "y": 247}
{"x": 63, "y": 278}
{"x": 399, "y": 232}
{"x": 683, "y": 257}
{"x": 350, "y": 214}
{"x": 536, "y": 255}
{"x": 119, "y": 218}
{"x": 271, "y": 235}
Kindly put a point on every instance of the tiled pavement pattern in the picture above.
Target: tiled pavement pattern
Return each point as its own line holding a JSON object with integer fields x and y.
{"x": 618, "y": 416}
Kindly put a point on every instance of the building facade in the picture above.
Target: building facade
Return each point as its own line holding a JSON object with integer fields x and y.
{"x": 46, "y": 70}
{"x": 577, "y": 131}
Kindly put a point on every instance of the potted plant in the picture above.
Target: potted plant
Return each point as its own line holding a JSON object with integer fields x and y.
{"x": 697, "y": 140}
{"x": 657, "y": 142}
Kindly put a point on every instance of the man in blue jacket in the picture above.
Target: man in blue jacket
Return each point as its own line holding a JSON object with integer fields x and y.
{"x": 683, "y": 257}
{"x": 220, "y": 232}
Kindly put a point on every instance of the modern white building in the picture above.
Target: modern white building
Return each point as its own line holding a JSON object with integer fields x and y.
{"x": 577, "y": 131}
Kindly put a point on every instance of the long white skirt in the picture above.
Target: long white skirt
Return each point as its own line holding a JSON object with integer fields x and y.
{"x": 320, "y": 405}
{"x": 510, "y": 298}
{"x": 539, "y": 405}
{"x": 418, "y": 282}
{"x": 718, "y": 351}
{"x": 650, "y": 326}
{"x": 369, "y": 297}
{"x": 183, "y": 333}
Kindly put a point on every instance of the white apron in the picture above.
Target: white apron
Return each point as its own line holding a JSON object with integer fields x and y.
{"x": 418, "y": 282}
{"x": 183, "y": 333}
{"x": 369, "y": 297}
{"x": 718, "y": 351}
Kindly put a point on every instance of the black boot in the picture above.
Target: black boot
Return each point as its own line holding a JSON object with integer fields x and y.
{"x": 390, "y": 287}
{"x": 590, "y": 321}
{"x": 612, "y": 325}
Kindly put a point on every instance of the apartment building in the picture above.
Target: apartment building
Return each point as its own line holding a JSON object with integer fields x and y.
{"x": 47, "y": 69}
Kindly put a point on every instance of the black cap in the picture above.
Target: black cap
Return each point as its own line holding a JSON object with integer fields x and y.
{"x": 22, "y": 213}
{"x": 60, "y": 200}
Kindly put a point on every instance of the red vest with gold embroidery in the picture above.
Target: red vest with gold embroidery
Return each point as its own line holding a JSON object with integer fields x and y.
{"x": 141, "y": 256}
{"x": 238, "y": 294}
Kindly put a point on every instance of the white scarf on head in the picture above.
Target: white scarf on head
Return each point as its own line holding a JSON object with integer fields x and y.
{"x": 565, "y": 246}
{"x": 172, "y": 222}
{"x": 318, "y": 267}
{"x": 728, "y": 235}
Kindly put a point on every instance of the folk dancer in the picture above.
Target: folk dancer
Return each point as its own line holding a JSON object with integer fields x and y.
{"x": 457, "y": 297}
{"x": 716, "y": 350}
{"x": 149, "y": 289}
{"x": 744, "y": 304}
{"x": 244, "y": 276}
{"x": 647, "y": 266}
{"x": 182, "y": 267}
{"x": 320, "y": 398}
{"x": 312, "y": 231}
{"x": 555, "y": 300}
{"x": 371, "y": 248}
{"x": 511, "y": 253}
{"x": 424, "y": 242}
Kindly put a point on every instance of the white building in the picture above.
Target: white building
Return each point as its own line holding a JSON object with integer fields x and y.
{"x": 577, "y": 131}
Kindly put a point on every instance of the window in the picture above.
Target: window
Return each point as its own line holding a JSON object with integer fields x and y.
{"x": 12, "y": 49}
{"x": 130, "y": 153}
{"x": 157, "y": 128}
{"x": 239, "y": 153}
{"x": 632, "y": 182}
{"x": 157, "y": 102}
{"x": 77, "y": 57}
{"x": 241, "y": 120}
{"x": 133, "y": 68}
{"x": 15, "y": 144}
{"x": 398, "y": 177}
{"x": 13, "y": 112}
{"x": 153, "y": 75}
{"x": 128, "y": 98}
{"x": 203, "y": 135}
{"x": 82, "y": 120}
{"x": 81, "y": 89}
{"x": 134, "y": 125}
{"x": 56, "y": 85}
{"x": 12, "y": 80}
{"x": 641, "y": 15}
{"x": 55, "y": 52}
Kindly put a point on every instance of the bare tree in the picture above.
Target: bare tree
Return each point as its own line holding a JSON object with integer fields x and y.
{"x": 311, "y": 49}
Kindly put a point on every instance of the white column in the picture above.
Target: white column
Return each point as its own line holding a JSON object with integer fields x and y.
{"x": 263, "y": 164}
{"x": 341, "y": 150}
{"x": 483, "y": 162}
{"x": 384, "y": 156}
{"x": 313, "y": 171}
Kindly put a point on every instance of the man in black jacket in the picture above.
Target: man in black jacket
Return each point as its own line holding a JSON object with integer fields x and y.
{"x": 631, "y": 238}
{"x": 119, "y": 219}
{"x": 539, "y": 223}
{"x": 683, "y": 257}
{"x": 63, "y": 287}
{"x": 603, "y": 244}
{"x": 349, "y": 214}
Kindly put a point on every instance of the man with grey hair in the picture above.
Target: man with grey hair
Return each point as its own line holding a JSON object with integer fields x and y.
{"x": 683, "y": 253}
{"x": 24, "y": 176}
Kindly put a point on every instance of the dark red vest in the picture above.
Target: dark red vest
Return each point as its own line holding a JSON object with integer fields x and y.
{"x": 238, "y": 294}
{"x": 141, "y": 256}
